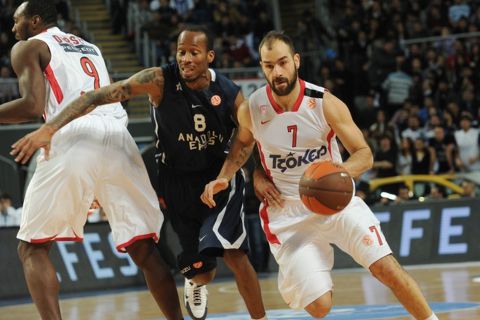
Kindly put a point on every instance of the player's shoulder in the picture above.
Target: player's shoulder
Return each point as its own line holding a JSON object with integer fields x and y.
{"x": 314, "y": 91}
{"x": 169, "y": 71}
{"x": 258, "y": 93}
{"x": 28, "y": 47}
{"x": 227, "y": 85}
{"x": 221, "y": 79}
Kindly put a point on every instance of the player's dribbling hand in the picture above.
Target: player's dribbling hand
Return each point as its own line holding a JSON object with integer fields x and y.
{"x": 265, "y": 190}
{"x": 212, "y": 188}
{"x": 24, "y": 148}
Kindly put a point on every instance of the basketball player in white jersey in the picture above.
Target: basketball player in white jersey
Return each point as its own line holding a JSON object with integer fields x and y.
{"x": 54, "y": 68}
{"x": 294, "y": 124}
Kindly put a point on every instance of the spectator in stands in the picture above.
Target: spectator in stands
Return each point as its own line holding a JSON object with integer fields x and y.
{"x": 436, "y": 193}
{"x": 414, "y": 130}
{"x": 404, "y": 163}
{"x": 433, "y": 121}
{"x": 385, "y": 159}
{"x": 183, "y": 7}
{"x": 442, "y": 147}
{"x": 422, "y": 160}
{"x": 96, "y": 213}
{"x": 443, "y": 94}
{"x": 403, "y": 194}
{"x": 397, "y": 87}
{"x": 467, "y": 140}
{"x": 449, "y": 122}
{"x": 382, "y": 63}
{"x": 8, "y": 85}
{"x": 5, "y": 43}
{"x": 381, "y": 127}
{"x": 458, "y": 10}
{"x": 9, "y": 216}
{"x": 469, "y": 190}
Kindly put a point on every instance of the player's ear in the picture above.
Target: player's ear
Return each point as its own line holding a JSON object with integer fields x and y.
{"x": 210, "y": 56}
{"x": 35, "y": 21}
{"x": 296, "y": 60}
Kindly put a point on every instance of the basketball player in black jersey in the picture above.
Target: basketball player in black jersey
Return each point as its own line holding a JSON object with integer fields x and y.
{"x": 194, "y": 115}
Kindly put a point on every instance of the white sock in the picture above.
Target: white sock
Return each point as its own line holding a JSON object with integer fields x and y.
{"x": 262, "y": 318}
{"x": 432, "y": 317}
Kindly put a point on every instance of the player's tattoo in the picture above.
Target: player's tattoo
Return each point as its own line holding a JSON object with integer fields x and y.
{"x": 118, "y": 93}
{"x": 243, "y": 155}
{"x": 146, "y": 76}
{"x": 90, "y": 101}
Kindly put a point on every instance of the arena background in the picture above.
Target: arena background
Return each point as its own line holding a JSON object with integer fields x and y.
{"x": 350, "y": 47}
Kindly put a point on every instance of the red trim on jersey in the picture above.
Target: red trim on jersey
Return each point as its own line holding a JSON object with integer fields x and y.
{"x": 57, "y": 91}
{"x": 271, "y": 237}
{"x": 297, "y": 103}
{"x": 54, "y": 238}
{"x": 262, "y": 160}
{"x": 122, "y": 246}
{"x": 329, "y": 142}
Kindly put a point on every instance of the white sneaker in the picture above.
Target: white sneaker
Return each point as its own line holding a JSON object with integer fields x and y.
{"x": 195, "y": 298}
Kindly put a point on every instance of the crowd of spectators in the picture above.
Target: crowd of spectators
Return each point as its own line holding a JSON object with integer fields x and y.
{"x": 8, "y": 83}
{"x": 414, "y": 97}
{"x": 412, "y": 86}
{"x": 236, "y": 34}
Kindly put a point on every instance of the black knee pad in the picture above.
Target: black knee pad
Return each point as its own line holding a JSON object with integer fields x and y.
{"x": 191, "y": 264}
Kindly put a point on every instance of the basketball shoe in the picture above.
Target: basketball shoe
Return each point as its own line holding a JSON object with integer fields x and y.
{"x": 195, "y": 298}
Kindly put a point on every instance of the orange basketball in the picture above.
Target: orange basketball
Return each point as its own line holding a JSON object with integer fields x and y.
{"x": 326, "y": 188}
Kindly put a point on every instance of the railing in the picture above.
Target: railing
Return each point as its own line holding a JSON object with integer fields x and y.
{"x": 236, "y": 73}
{"x": 441, "y": 38}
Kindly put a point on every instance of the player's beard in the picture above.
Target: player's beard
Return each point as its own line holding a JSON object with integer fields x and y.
{"x": 288, "y": 88}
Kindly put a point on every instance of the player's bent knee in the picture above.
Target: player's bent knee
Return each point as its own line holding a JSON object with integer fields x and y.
{"x": 235, "y": 259}
{"x": 192, "y": 264}
{"x": 386, "y": 270}
{"x": 140, "y": 251}
{"x": 26, "y": 249}
{"x": 321, "y": 307}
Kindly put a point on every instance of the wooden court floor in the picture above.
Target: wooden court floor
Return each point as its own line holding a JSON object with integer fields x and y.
{"x": 440, "y": 283}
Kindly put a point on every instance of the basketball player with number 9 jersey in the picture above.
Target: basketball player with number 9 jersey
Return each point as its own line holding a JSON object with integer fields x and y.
{"x": 77, "y": 66}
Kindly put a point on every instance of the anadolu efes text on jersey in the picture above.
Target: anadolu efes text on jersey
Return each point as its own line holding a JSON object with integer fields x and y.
{"x": 292, "y": 160}
{"x": 289, "y": 141}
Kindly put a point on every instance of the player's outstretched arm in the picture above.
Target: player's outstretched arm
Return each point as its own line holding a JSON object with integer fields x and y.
{"x": 340, "y": 120}
{"x": 148, "y": 81}
{"x": 240, "y": 151}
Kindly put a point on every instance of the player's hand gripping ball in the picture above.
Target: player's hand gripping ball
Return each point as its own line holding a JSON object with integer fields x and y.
{"x": 326, "y": 188}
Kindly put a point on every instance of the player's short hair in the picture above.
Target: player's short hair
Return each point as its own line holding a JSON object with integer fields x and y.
{"x": 45, "y": 9}
{"x": 201, "y": 29}
{"x": 273, "y": 36}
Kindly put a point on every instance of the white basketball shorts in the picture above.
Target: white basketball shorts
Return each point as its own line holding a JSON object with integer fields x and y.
{"x": 93, "y": 156}
{"x": 301, "y": 242}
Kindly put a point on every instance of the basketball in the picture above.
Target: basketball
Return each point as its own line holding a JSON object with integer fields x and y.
{"x": 326, "y": 188}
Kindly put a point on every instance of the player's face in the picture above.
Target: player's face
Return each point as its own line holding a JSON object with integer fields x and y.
{"x": 193, "y": 57}
{"x": 280, "y": 67}
{"x": 21, "y": 23}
